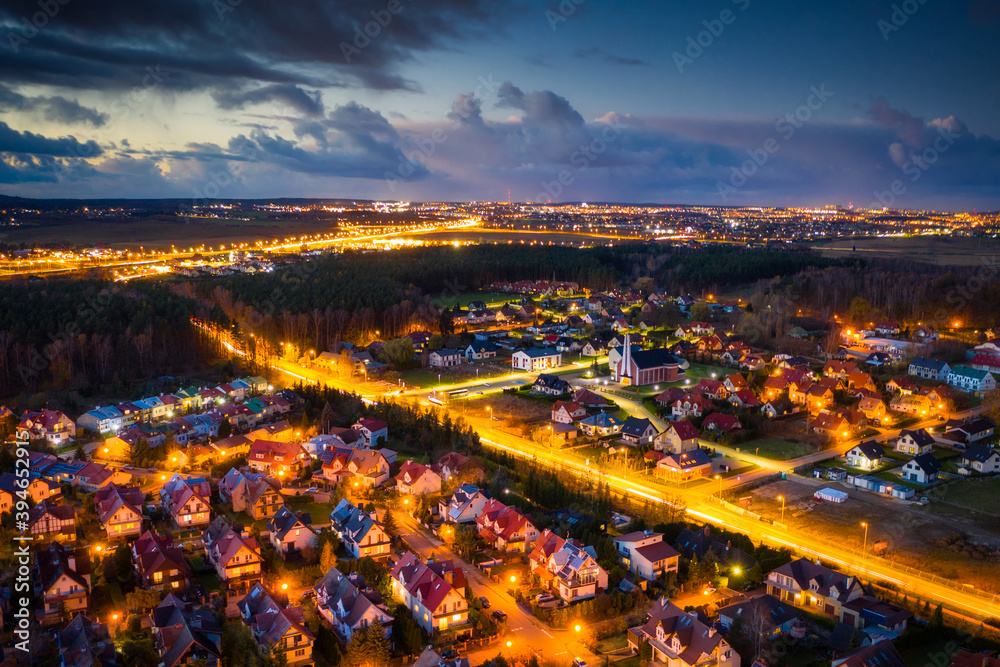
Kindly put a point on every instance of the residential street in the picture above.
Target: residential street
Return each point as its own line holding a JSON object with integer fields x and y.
{"x": 526, "y": 633}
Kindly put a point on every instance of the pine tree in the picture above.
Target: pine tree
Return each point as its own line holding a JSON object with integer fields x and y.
{"x": 389, "y": 524}
{"x": 378, "y": 649}
{"x": 328, "y": 558}
{"x": 937, "y": 619}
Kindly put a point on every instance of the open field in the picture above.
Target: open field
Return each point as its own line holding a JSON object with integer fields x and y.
{"x": 942, "y": 250}
{"x": 777, "y": 449}
{"x": 980, "y": 494}
{"x": 911, "y": 531}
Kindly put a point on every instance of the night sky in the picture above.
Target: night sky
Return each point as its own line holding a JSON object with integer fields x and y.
{"x": 704, "y": 102}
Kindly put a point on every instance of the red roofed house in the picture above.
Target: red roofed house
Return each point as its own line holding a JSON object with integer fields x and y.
{"x": 236, "y": 558}
{"x": 744, "y": 398}
{"x": 567, "y": 567}
{"x": 373, "y": 431}
{"x": 417, "y": 479}
{"x": 735, "y": 382}
{"x": 278, "y": 458}
{"x": 434, "y": 593}
{"x": 159, "y": 564}
{"x": 505, "y": 528}
{"x": 187, "y": 506}
{"x": 50, "y": 425}
{"x": 119, "y": 509}
{"x": 691, "y": 405}
{"x": 721, "y": 423}
{"x": 714, "y": 389}
{"x": 564, "y": 412}
{"x": 679, "y": 436}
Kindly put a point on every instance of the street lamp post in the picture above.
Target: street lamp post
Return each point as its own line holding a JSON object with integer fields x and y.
{"x": 782, "y": 499}
{"x": 864, "y": 550}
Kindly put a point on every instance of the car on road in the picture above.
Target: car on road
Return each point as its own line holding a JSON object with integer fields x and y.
{"x": 486, "y": 384}
{"x": 485, "y": 601}
{"x": 450, "y": 654}
{"x": 579, "y": 662}
{"x": 499, "y": 616}
{"x": 312, "y": 489}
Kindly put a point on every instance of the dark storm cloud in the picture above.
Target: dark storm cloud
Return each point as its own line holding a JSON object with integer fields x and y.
{"x": 12, "y": 141}
{"x": 305, "y": 102}
{"x": 54, "y": 108}
{"x": 106, "y": 44}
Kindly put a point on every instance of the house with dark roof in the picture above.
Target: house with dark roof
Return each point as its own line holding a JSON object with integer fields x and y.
{"x": 159, "y": 564}
{"x": 684, "y": 466}
{"x": 464, "y": 506}
{"x": 778, "y": 407}
{"x": 261, "y": 497}
{"x": 807, "y": 584}
{"x": 638, "y": 431}
{"x": 361, "y": 532}
{"x": 969, "y": 431}
{"x": 349, "y": 605}
{"x": 61, "y": 582}
{"x": 922, "y": 469}
{"x": 930, "y": 369}
{"x": 277, "y": 628}
{"x": 46, "y": 520}
{"x": 290, "y": 532}
{"x": 83, "y": 643}
{"x": 644, "y": 367}
{"x": 914, "y": 442}
{"x": 865, "y": 455}
{"x": 680, "y": 639}
{"x": 550, "y": 385}
{"x": 600, "y": 425}
{"x": 981, "y": 459}
{"x": 646, "y": 554}
{"x": 233, "y": 553}
{"x": 535, "y": 359}
{"x": 183, "y": 635}
{"x": 119, "y": 509}
{"x": 766, "y": 615}
{"x": 870, "y": 612}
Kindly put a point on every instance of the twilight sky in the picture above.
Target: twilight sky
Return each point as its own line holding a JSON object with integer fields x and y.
{"x": 672, "y": 101}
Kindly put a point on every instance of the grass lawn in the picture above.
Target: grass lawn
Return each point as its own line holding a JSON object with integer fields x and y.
{"x": 776, "y": 448}
{"x": 632, "y": 661}
{"x": 613, "y": 643}
{"x": 977, "y": 493}
{"x": 209, "y": 580}
{"x": 896, "y": 479}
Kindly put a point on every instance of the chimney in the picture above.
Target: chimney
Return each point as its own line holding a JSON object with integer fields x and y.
{"x": 707, "y": 530}
{"x": 711, "y": 630}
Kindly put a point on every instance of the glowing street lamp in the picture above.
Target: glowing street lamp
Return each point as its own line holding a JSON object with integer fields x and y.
{"x": 782, "y": 499}
{"x": 864, "y": 524}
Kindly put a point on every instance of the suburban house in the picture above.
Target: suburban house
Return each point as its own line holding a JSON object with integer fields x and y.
{"x": 61, "y": 582}
{"x": 778, "y": 407}
{"x": 922, "y": 469}
{"x": 361, "y": 533}
{"x": 637, "y": 431}
{"x": 565, "y": 412}
{"x": 187, "y": 502}
{"x": 434, "y": 593}
{"x": 277, "y": 629}
{"x": 417, "y": 479}
{"x": 967, "y": 431}
{"x": 684, "y": 466}
{"x": 535, "y": 359}
{"x": 261, "y": 497}
{"x": 38, "y": 488}
{"x": 358, "y": 467}
{"x": 873, "y": 408}
{"x": 234, "y": 555}
{"x": 767, "y": 615}
{"x": 870, "y": 612}
{"x": 807, "y": 584}
{"x": 744, "y": 398}
{"x": 278, "y": 458}
{"x": 505, "y": 528}
{"x": 930, "y": 369}
{"x": 721, "y": 423}
{"x": 290, "y": 532}
{"x": 550, "y": 385}
{"x": 159, "y": 564}
{"x": 52, "y": 426}
{"x": 372, "y": 431}
{"x": 445, "y": 358}
{"x": 349, "y": 605}
{"x": 691, "y": 405}
{"x": 102, "y": 420}
{"x": 57, "y": 522}
{"x": 818, "y": 398}
{"x": 84, "y": 641}
{"x": 464, "y": 506}
{"x": 691, "y": 543}
{"x": 971, "y": 379}
{"x": 600, "y": 425}
{"x": 480, "y": 350}
{"x": 183, "y": 635}
{"x": 119, "y": 509}
{"x": 981, "y": 459}
{"x": 839, "y": 369}
{"x": 865, "y": 455}
{"x": 678, "y": 639}
{"x": 567, "y": 567}
{"x": 646, "y": 554}
{"x": 679, "y": 436}
{"x": 914, "y": 442}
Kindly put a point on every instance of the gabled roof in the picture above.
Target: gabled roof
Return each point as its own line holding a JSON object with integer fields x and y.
{"x": 919, "y": 436}
{"x": 636, "y": 426}
{"x": 927, "y": 463}
{"x": 684, "y": 429}
{"x": 870, "y": 449}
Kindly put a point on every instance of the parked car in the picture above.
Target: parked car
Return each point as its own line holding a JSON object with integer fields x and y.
{"x": 485, "y": 601}
{"x": 312, "y": 489}
{"x": 499, "y": 616}
{"x": 450, "y": 654}
{"x": 579, "y": 662}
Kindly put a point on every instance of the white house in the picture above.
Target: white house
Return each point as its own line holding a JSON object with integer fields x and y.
{"x": 535, "y": 359}
{"x": 866, "y": 455}
{"x": 645, "y": 553}
{"x": 922, "y": 469}
{"x": 445, "y": 358}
